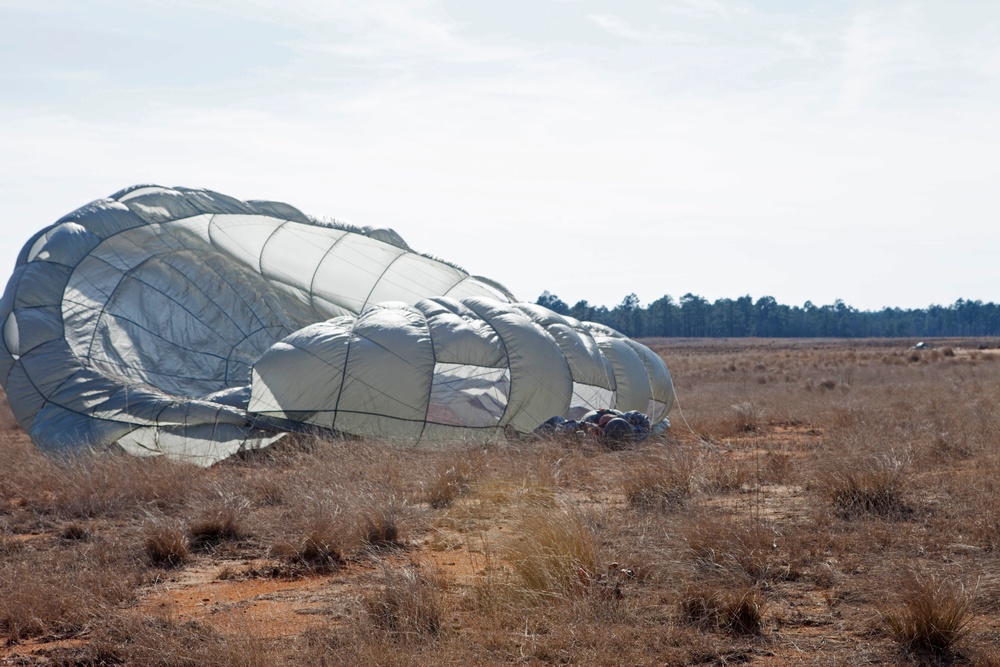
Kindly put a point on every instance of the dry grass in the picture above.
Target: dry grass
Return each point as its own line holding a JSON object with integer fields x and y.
{"x": 739, "y": 610}
{"x": 407, "y": 607}
{"x": 772, "y": 532}
{"x": 219, "y": 522}
{"x": 660, "y": 482}
{"x": 166, "y": 544}
{"x": 873, "y": 485}
{"x": 929, "y": 614}
{"x": 553, "y": 552}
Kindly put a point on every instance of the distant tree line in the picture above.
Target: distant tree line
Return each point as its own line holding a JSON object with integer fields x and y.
{"x": 695, "y": 316}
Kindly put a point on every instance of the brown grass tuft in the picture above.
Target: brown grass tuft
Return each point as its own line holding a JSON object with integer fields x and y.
{"x": 872, "y": 486}
{"x": 166, "y": 544}
{"x": 659, "y": 483}
{"x": 739, "y": 610}
{"x": 553, "y": 553}
{"x": 451, "y": 482}
{"x": 930, "y": 614}
{"x": 220, "y": 522}
{"x": 408, "y": 606}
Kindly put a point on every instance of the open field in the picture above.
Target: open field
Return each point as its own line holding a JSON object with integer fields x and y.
{"x": 816, "y": 502}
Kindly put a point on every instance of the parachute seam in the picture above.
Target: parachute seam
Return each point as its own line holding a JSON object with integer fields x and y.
{"x": 211, "y": 225}
{"x": 126, "y": 319}
{"x": 312, "y": 281}
{"x": 506, "y": 354}
{"x": 381, "y": 275}
{"x": 540, "y": 379}
{"x": 430, "y": 389}
{"x": 263, "y": 248}
{"x": 343, "y": 376}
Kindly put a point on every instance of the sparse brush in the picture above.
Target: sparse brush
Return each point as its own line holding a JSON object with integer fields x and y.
{"x": 872, "y": 486}
{"x": 320, "y": 543}
{"x": 739, "y": 610}
{"x": 9, "y": 544}
{"x": 131, "y": 639}
{"x": 776, "y": 467}
{"x": 726, "y": 475}
{"x": 62, "y": 594}
{"x": 379, "y": 525}
{"x": 746, "y": 417}
{"x": 746, "y": 548}
{"x": 408, "y": 606}
{"x": 219, "y": 523}
{"x": 554, "y": 553}
{"x": 166, "y": 544}
{"x": 267, "y": 491}
{"x": 930, "y": 614}
{"x": 659, "y": 483}
{"x": 450, "y": 483}
{"x": 88, "y": 486}
{"x": 75, "y": 531}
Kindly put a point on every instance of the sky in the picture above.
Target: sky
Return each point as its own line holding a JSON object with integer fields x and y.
{"x": 799, "y": 149}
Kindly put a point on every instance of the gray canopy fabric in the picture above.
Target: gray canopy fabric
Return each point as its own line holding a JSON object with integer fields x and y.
{"x": 186, "y": 323}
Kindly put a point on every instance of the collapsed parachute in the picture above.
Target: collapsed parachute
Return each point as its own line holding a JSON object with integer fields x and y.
{"x": 185, "y": 323}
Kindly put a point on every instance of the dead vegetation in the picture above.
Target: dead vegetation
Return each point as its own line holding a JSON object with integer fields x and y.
{"x": 816, "y": 502}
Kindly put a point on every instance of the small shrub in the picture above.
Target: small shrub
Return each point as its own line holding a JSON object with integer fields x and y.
{"x": 659, "y": 484}
{"x": 408, "y": 606}
{"x": 740, "y": 611}
{"x": 556, "y": 553}
{"x": 872, "y": 486}
{"x": 930, "y": 615}
{"x": 449, "y": 485}
{"x": 220, "y": 523}
{"x": 166, "y": 545}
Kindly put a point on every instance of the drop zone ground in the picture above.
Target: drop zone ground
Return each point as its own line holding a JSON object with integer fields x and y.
{"x": 816, "y": 502}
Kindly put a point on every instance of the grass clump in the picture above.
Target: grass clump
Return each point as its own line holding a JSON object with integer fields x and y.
{"x": 219, "y": 523}
{"x": 166, "y": 544}
{"x": 408, "y": 606}
{"x": 870, "y": 487}
{"x": 930, "y": 615}
{"x": 659, "y": 484}
{"x": 739, "y": 610}
{"x": 379, "y": 526}
{"x": 556, "y": 553}
{"x": 745, "y": 548}
{"x": 318, "y": 542}
{"x": 449, "y": 484}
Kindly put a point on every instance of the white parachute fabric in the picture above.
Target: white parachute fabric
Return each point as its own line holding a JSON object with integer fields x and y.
{"x": 190, "y": 324}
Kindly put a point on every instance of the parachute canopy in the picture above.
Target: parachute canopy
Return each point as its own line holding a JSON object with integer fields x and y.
{"x": 186, "y": 323}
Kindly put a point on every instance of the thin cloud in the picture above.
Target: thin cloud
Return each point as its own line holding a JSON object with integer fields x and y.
{"x": 706, "y": 9}
{"x": 619, "y": 27}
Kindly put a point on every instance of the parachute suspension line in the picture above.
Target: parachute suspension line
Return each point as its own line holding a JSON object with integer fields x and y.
{"x": 677, "y": 402}
{"x": 430, "y": 390}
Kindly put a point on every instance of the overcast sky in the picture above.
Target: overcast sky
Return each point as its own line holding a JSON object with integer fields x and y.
{"x": 799, "y": 149}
